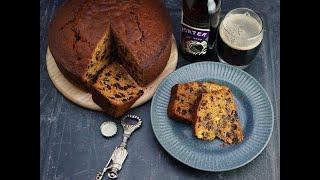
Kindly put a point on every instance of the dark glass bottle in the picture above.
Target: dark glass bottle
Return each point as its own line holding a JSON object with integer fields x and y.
{"x": 195, "y": 29}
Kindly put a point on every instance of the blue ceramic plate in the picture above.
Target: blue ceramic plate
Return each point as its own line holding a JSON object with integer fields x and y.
{"x": 254, "y": 109}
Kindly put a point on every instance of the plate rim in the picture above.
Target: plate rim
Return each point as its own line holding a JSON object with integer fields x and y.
{"x": 218, "y": 64}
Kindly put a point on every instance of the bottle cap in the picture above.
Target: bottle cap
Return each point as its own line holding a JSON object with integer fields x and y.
{"x": 108, "y": 128}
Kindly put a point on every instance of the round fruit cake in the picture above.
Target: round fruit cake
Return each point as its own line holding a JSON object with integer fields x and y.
{"x": 85, "y": 35}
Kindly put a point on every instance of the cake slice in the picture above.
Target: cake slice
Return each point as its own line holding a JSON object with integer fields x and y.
{"x": 183, "y": 97}
{"x": 115, "y": 90}
{"x": 99, "y": 58}
{"x": 215, "y": 115}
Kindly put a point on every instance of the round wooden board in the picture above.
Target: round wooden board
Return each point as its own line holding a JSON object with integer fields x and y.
{"x": 84, "y": 99}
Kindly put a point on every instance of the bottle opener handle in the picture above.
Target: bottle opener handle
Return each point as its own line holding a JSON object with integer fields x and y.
{"x": 120, "y": 153}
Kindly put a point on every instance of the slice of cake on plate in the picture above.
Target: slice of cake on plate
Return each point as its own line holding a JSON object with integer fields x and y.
{"x": 183, "y": 97}
{"x": 215, "y": 115}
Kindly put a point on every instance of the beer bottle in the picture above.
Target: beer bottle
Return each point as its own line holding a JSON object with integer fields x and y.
{"x": 195, "y": 28}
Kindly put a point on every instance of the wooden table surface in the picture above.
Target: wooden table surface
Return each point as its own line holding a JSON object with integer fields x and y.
{"x": 72, "y": 147}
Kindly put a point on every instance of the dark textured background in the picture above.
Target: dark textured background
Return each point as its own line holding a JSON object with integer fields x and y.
{"x": 72, "y": 147}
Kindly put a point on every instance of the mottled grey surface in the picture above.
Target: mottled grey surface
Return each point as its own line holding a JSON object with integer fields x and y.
{"x": 72, "y": 147}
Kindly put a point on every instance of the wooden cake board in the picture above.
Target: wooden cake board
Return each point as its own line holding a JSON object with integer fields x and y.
{"x": 84, "y": 99}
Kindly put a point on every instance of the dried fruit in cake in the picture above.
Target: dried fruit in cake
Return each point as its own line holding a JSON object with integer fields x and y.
{"x": 115, "y": 90}
{"x": 216, "y": 115}
{"x": 183, "y": 97}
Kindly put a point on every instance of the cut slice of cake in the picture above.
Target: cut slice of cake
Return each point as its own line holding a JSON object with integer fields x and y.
{"x": 99, "y": 58}
{"x": 216, "y": 115}
{"x": 115, "y": 90}
{"x": 183, "y": 97}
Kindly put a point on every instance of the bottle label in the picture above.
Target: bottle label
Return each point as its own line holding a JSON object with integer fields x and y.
{"x": 194, "y": 40}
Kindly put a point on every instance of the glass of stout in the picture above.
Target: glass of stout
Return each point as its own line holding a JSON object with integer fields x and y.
{"x": 239, "y": 37}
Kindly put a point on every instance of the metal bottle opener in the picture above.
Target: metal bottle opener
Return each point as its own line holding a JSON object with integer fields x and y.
{"x": 120, "y": 153}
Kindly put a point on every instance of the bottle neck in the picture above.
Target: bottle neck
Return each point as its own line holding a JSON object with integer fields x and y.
{"x": 195, "y": 22}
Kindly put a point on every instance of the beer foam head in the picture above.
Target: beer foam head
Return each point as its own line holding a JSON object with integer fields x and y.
{"x": 241, "y": 31}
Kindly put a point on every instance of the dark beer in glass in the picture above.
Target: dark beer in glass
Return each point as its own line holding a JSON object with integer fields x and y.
{"x": 239, "y": 37}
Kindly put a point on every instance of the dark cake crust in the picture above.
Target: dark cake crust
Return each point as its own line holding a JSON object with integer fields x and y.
{"x": 146, "y": 36}
{"x": 171, "y": 110}
{"x": 73, "y": 36}
{"x": 194, "y": 113}
{"x": 72, "y": 78}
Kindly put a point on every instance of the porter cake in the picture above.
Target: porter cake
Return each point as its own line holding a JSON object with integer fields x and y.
{"x": 115, "y": 90}
{"x": 215, "y": 115}
{"x": 83, "y": 33}
{"x": 183, "y": 97}
{"x": 135, "y": 34}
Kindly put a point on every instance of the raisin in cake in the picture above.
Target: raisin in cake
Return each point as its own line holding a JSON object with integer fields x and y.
{"x": 83, "y": 34}
{"x": 183, "y": 97}
{"x": 215, "y": 115}
{"x": 115, "y": 90}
